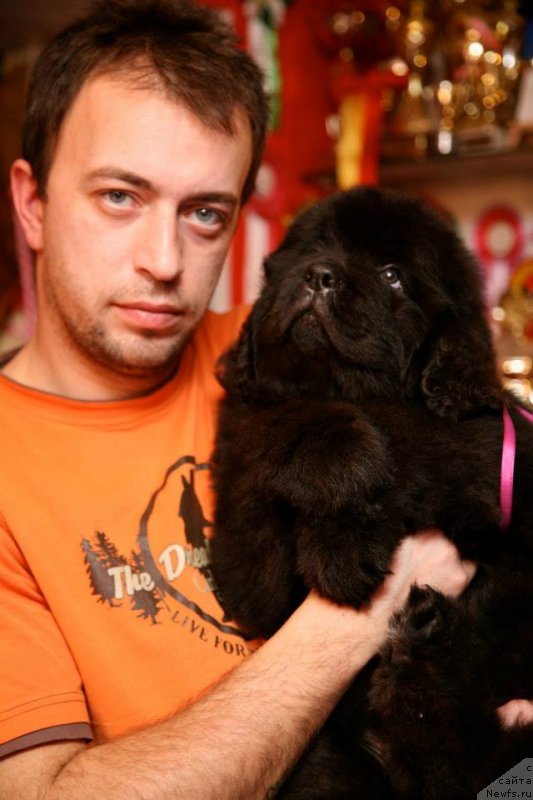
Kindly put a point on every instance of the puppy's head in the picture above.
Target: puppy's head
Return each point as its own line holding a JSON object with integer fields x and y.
{"x": 371, "y": 294}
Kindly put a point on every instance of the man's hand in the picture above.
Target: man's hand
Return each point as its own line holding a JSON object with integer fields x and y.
{"x": 427, "y": 559}
{"x": 516, "y": 712}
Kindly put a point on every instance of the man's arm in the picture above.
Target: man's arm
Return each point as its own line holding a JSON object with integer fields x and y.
{"x": 240, "y": 738}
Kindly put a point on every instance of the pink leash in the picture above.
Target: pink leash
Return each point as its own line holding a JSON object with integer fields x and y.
{"x": 508, "y": 460}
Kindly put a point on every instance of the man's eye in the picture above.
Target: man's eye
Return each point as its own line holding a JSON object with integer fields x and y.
{"x": 391, "y": 275}
{"x": 117, "y": 197}
{"x": 208, "y": 216}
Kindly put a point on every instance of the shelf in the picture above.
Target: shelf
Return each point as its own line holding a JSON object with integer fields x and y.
{"x": 459, "y": 168}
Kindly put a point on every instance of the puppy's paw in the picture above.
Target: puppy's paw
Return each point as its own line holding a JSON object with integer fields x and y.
{"x": 415, "y": 658}
{"x": 417, "y": 666}
{"x": 429, "y": 700}
{"x": 424, "y": 620}
{"x": 339, "y": 564}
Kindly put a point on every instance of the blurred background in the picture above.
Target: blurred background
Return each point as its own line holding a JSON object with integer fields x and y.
{"x": 433, "y": 98}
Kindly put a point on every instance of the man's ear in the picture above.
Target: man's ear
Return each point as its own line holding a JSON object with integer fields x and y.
{"x": 28, "y": 203}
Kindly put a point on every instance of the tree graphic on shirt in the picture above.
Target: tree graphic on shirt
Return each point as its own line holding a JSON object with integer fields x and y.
{"x": 98, "y": 561}
{"x": 146, "y": 601}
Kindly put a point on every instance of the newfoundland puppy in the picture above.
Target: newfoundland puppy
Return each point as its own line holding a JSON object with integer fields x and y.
{"x": 362, "y": 404}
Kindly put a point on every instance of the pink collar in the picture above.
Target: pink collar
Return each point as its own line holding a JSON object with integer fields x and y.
{"x": 508, "y": 459}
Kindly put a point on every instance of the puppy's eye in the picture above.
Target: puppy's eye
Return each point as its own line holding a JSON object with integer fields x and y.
{"x": 391, "y": 276}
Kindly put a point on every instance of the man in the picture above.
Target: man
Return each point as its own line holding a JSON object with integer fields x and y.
{"x": 143, "y": 135}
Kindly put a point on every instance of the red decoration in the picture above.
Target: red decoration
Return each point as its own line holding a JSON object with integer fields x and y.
{"x": 500, "y": 236}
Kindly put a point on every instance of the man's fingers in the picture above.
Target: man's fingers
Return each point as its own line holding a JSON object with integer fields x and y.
{"x": 460, "y": 578}
{"x": 516, "y": 712}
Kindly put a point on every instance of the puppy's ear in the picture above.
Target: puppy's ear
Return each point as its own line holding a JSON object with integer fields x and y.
{"x": 460, "y": 376}
{"x": 235, "y": 368}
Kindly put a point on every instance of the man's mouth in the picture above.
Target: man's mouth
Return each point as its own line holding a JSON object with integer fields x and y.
{"x": 149, "y": 315}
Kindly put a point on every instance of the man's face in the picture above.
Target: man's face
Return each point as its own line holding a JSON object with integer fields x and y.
{"x": 141, "y": 203}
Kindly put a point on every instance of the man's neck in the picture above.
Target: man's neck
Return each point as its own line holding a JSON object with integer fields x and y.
{"x": 79, "y": 382}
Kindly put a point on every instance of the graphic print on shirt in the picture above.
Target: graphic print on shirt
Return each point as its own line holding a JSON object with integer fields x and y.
{"x": 170, "y": 563}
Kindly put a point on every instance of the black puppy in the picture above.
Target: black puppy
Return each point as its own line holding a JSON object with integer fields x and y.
{"x": 362, "y": 404}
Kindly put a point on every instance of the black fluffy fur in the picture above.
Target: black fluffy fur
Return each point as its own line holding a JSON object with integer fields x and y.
{"x": 362, "y": 404}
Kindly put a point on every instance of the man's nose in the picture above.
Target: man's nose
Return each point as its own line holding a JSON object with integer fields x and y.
{"x": 158, "y": 246}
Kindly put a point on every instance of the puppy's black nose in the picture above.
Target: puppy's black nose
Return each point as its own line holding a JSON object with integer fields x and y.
{"x": 321, "y": 279}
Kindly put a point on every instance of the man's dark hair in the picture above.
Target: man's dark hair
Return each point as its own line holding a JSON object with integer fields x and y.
{"x": 185, "y": 48}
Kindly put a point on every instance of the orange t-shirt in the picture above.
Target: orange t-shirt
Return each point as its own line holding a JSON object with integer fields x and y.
{"x": 108, "y": 618}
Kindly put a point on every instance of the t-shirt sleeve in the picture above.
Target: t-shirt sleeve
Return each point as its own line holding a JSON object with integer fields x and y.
{"x": 41, "y": 696}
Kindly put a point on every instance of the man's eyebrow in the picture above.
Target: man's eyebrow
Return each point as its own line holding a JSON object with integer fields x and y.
{"x": 121, "y": 175}
{"x": 224, "y": 198}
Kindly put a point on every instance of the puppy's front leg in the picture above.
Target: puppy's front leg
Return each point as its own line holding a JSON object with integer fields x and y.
{"x": 334, "y": 469}
{"x": 253, "y": 563}
{"x": 298, "y": 485}
{"x": 347, "y": 555}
